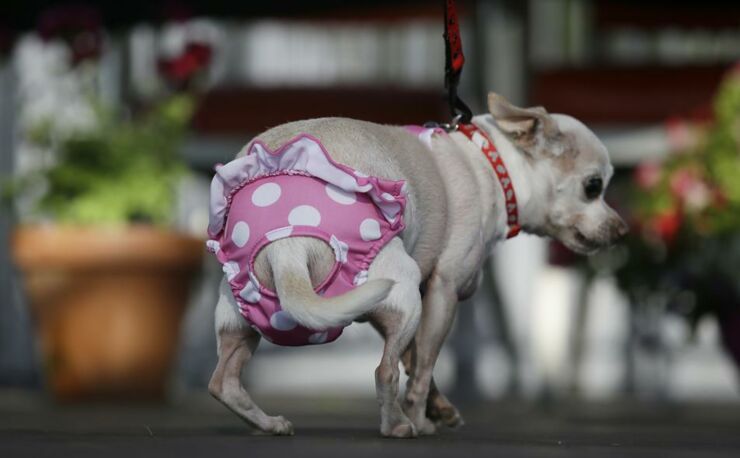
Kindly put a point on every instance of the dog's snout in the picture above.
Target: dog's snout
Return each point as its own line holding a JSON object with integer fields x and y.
{"x": 621, "y": 229}
{"x": 624, "y": 228}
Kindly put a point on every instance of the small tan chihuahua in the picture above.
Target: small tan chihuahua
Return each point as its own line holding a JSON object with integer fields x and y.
{"x": 458, "y": 205}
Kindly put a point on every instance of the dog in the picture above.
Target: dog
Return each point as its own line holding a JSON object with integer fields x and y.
{"x": 456, "y": 209}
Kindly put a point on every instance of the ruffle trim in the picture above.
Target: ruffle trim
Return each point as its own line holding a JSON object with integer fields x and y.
{"x": 303, "y": 155}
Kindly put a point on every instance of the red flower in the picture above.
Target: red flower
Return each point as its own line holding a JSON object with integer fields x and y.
{"x": 181, "y": 69}
{"x": 79, "y": 26}
{"x": 666, "y": 225}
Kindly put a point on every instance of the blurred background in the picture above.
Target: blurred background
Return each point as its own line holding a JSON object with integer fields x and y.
{"x": 112, "y": 117}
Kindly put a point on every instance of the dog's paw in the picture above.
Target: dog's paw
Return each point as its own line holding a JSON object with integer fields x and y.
{"x": 426, "y": 427}
{"x": 277, "y": 426}
{"x": 423, "y": 425}
{"x": 447, "y": 416}
{"x": 403, "y": 430}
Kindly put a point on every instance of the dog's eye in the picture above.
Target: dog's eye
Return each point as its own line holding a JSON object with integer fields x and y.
{"x": 593, "y": 187}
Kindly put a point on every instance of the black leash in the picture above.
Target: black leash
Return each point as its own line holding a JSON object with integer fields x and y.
{"x": 454, "y": 61}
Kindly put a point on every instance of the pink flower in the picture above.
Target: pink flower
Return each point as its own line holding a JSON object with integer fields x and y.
{"x": 647, "y": 175}
{"x": 681, "y": 135}
{"x": 690, "y": 189}
{"x": 681, "y": 181}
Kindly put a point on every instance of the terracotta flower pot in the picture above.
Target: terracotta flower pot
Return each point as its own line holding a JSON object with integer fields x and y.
{"x": 107, "y": 305}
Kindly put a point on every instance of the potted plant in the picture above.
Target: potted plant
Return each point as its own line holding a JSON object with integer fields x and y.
{"x": 106, "y": 275}
{"x": 683, "y": 252}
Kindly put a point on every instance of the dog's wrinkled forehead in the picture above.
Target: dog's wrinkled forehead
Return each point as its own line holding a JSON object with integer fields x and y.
{"x": 581, "y": 148}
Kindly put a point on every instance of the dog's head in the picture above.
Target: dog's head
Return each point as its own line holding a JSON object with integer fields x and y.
{"x": 572, "y": 170}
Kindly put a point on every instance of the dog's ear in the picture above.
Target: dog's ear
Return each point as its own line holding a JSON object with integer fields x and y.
{"x": 522, "y": 125}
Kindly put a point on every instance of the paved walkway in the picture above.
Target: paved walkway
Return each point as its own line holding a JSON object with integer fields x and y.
{"x": 30, "y": 427}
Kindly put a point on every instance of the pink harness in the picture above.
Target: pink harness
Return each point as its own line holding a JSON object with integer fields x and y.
{"x": 298, "y": 190}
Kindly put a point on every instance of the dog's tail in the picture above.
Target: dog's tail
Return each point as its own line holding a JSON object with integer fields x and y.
{"x": 298, "y": 298}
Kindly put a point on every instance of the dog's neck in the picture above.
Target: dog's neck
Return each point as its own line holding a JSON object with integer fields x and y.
{"x": 519, "y": 168}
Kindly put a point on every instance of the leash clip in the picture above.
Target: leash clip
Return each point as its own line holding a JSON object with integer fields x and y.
{"x": 453, "y": 125}
{"x": 448, "y": 127}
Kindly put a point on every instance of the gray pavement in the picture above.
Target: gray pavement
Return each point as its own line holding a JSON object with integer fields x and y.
{"x": 197, "y": 426}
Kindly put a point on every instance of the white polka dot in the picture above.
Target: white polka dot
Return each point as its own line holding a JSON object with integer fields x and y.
{"x": 405, "y": 188}
{"x": 340, "y": 249}
{"x": 390, "y": 211}
{"x": 266, "y": 195}
{"x": 339, "y": 195}
{"x": 254, "y": 279}
{"x": 387, "y": 197}
{"x": 213, "y": 246}
{"x": 360, "y": 278}
{"x": 231, "y": 269}
{"x": 282, "y": 321}
{"x": 240, "y": 234}
{"x": 360, "y": 174}
{"x": 251, "y": 293}
{"x": 318, "y": 338}
{"x": 369, "y": 229}
{"x": 279, "y": 233}
{"x": 304, "y": 215}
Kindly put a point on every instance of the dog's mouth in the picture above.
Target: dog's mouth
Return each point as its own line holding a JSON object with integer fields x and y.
{"x": 584, "y": 244}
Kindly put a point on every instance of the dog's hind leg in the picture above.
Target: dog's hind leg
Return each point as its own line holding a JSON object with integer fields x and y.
{"x": 396, "y": 318}
{"x": 237, "y": 343}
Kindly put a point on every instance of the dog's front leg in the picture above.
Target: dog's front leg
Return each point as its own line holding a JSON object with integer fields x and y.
{"x": 439, "y": 409}
{"x": 438, "y": 310}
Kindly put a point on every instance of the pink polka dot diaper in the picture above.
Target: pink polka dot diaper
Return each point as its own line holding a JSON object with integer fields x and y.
{"x": 298, "y": 190}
